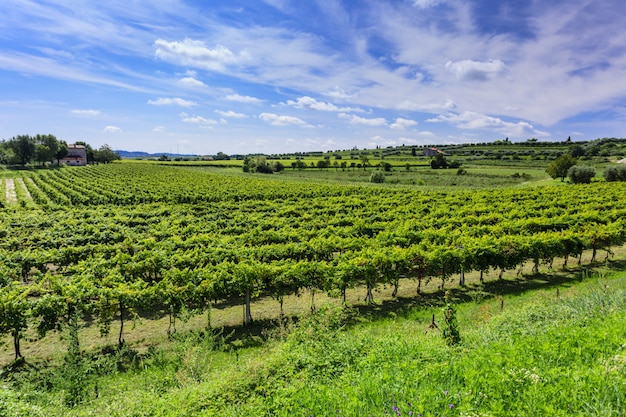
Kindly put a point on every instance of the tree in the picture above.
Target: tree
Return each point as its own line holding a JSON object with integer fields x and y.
{"x": 377, "y": 176}
{"x": 14, "y": 310}
{"x": 322, "y": 164}
{"x": 51, "y": 142}
{"x": 615, "y": 173}
{"x": 42, "y": 154}
{"x": 558, "y": 168}
{"x": 577, "y": 151}
{"x": 579, "y": 174}
{"x": 61, "y": 152}
{"x": 105, "y": 155}
{"x": 23, "y": 147}
{"x": 364, "y": 161}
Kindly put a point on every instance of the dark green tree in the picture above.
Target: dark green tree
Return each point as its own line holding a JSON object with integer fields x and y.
{"x": 23, "y": 146}
{"x": 579, "y": 174}
{"x": 46, "y": 147}
{"x": 105, "y": 155}
{"x": 62, "y": 152}
{"x": 558, "y": 168}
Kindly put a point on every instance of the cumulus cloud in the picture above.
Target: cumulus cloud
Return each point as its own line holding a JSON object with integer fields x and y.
{"x": 190, "y": 82}
{"x": 378, "y": 121}
{"x": 231, "y": 114}
{"x": 280, "y": 120}
{"x": 472, "y": 120}
{"x": 112, "y": 129}
{"x": 468, "y": 70}
{"x": 172, "y": 101}
{"x": 198, "y": 54}
{"x": 310, "y": 103}
{"x": 157, "y": 129}
{"x": 401, "y": 124}
{"x": 243, "y": 99}
{"x": 88, "y": 113}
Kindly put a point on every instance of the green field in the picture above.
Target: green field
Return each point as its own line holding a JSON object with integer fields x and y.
{"x": 183, "y": 288}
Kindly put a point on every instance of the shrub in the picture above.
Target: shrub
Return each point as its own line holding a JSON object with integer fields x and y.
{"x": 451, "y": 333}
{"x": 580, "y": 174}
{"x": 615, "y": 173}
{"x": 377, "y": 177}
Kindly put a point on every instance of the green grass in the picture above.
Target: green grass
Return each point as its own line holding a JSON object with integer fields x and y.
{"x": 536, "y": 353}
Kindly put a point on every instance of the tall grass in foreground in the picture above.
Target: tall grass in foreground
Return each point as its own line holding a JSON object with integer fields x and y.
{"x": 540, "y": 355}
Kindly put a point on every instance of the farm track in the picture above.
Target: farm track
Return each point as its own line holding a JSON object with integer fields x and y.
{"x": 11, "y": 196}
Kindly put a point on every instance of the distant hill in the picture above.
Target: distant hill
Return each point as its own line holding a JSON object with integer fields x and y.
{"x": 139, "y": 154}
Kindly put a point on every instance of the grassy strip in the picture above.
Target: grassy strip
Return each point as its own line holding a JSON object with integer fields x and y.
{"x": 540, "y": 355}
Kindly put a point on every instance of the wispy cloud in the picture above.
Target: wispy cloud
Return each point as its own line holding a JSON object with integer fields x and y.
{"x": 231, "y": 114}
{"x": 282, "y": 120}
{"x": 172, "y": 101}
{"x": 191, "y": 82}
{"x": 310, "y": 103}
{"x": 243, "y": 99}
{"x": 87, "y": 113}
{"x": 471, "y": 120}
{"x": 199, "y": 120}
{"x": 375, "y": 122}
{"x": 197, "y": 54}
{"x": 469, "y": 70}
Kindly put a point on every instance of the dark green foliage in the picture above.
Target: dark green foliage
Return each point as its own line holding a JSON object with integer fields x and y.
{"x": 615, "y": 173}
{"x": 105, "y": 155}
{"x": 450, "y": 327}
{"x": 579, "y": 174}
{"x": 377, "y": 177}
{"x": 72, "y": 376}
{"x": 558, "y": 168}
{"x": 23, "y": 147}
{"x": 439, "y": 161}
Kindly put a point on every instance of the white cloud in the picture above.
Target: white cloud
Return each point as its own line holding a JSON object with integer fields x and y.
{"x": 338, "y": 93}
{"x": 190, "y": 82}
{"x": 310, "y": 103}
{"x": 88, "y": 113}
{"x": 401, "y": 124}
{"x": 157, "y": 129}
{"x": 427, "y": 107}
{"x": 112, "y": 129}
{"x": 186, "y": 118}
{"x": 198, "y": 54}
{"x": 231, "y": 114}
{"x": 468, "y": 70}
{"x": 472, "y": 120}
{"x": 281, "y": 120}
{"x": 172, "y": 101}
{"x": 378, "y": 121}
{"x": 243, "y": 99}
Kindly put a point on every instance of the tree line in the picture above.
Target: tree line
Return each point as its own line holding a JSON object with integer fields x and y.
{"x": 47, "y": 149}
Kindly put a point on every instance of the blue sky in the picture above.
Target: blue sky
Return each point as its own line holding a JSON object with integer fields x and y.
{"x": 274, "y": 76}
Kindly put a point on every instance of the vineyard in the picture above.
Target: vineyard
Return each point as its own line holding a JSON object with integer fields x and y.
{"x": 113, "y": 241}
